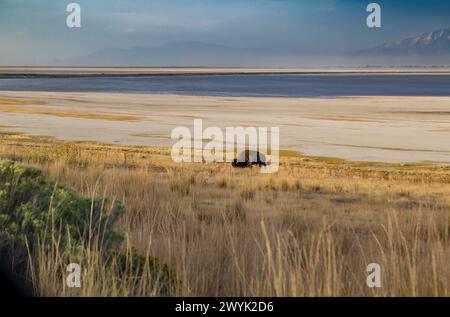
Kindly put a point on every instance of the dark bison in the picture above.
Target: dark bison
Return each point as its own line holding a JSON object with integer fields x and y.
{"x": 249, "y": 158}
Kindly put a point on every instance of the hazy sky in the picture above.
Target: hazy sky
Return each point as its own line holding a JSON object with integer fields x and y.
{"x": 34, "y": 31}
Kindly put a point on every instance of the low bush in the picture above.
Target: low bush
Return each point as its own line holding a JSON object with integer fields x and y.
{"x": 42, "y": 217}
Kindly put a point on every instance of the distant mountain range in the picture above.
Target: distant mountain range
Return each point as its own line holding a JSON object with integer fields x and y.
{"x": 431, "y": 48}
{"x": 429, "y": 43}
{"x": 174, "y": 54}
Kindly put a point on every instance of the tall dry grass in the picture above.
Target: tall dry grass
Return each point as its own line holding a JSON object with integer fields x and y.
{"x": 309, "y": 230}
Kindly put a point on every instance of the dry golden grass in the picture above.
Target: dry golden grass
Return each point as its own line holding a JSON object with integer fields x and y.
{"x": 309, "y": 230}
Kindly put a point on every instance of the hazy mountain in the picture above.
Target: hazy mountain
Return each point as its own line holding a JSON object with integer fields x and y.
{"x": 173, "y": 54}
{"x": 193, "y": 53}
{"x": 428, "y": 49}
{"x": 429, "y": 43}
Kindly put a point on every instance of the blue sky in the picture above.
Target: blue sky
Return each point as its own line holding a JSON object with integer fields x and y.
{"x": 34, "y": 32}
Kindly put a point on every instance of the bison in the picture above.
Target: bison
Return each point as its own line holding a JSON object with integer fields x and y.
{"x": 249, "y": 158}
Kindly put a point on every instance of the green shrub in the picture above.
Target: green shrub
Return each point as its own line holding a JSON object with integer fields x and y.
{"x": 35, "y": 213}
{"x": 32, "y": 209}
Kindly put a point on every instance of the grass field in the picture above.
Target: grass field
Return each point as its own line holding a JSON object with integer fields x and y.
{"x": 309, "y": 230}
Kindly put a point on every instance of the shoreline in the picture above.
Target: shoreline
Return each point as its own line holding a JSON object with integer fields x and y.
{"x": 370, "y": 129}
{"x": 23, "y": 140}
{"x": 61, "y": 72}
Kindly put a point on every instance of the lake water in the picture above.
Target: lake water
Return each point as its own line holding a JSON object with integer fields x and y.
{"x": 246, "y": 85}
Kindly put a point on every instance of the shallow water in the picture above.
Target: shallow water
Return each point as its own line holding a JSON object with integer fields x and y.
{"x": 279, "y": 85}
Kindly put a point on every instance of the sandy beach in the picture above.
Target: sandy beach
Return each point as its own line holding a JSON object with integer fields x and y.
{"x": 379, "y": 129}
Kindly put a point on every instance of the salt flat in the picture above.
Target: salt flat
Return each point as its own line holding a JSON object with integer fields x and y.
{"x": 381, "y": 129}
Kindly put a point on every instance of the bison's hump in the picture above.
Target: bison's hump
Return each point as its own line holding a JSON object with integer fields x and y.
{"x": 251, "y": 157}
